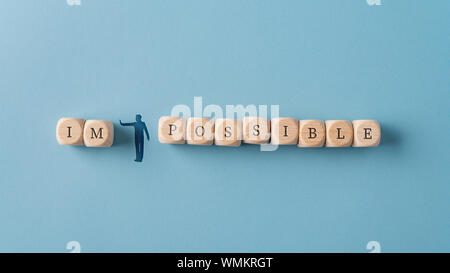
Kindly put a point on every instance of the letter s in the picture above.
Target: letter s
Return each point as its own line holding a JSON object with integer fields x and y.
{"x": 227, "y": 131}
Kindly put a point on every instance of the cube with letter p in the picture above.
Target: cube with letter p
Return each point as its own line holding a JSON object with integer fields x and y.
{"x": 172, "y": 130}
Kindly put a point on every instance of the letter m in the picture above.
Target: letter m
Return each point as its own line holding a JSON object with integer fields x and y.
{"x": 99, "y": 134}
{"x": 237, "y": 262}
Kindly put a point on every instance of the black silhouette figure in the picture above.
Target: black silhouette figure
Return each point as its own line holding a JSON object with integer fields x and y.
{"x": 139, "y": 128}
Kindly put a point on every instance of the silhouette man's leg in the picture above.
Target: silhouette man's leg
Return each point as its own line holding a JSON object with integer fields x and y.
{"x": 136, "y": 145}
{"x": 141, "y": 149}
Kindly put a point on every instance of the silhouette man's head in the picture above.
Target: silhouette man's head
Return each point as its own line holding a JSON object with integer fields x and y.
{"x": 138, "y": 117}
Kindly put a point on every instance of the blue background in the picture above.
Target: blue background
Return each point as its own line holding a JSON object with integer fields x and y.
{"x": 316, "y": 59}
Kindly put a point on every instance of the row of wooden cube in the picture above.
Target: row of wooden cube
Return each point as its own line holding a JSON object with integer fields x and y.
{"x": 278, "y": 131}
{"x": 91, "y": 133}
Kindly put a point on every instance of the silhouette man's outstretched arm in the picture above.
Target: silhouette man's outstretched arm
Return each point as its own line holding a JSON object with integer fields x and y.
{"x": 126, "y": 123}
{"x": 146, "y": 132}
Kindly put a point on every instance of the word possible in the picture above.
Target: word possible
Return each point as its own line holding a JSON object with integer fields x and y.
{"x": 278, "y": 131}
{"x": 91, "y": 133}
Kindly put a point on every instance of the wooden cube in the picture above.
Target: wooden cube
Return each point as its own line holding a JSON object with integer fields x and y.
{"x": 228, "y": 132}
{"x": 98, "y": 133}
{"x": 172, "y": 130}
{"x": 311, "y": 133}
{"x": 284, "y": 131}
{"x": 256, "y": 130}
{"x": 69, "y": 131}
{"x": 367, "y": 133}
{"x": 339, "y": 133}
{"x": 200, "y": 131}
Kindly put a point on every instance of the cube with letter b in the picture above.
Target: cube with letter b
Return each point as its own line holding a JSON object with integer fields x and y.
{"x": 172, "y": 130}
{"x": 311, "y": 133}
